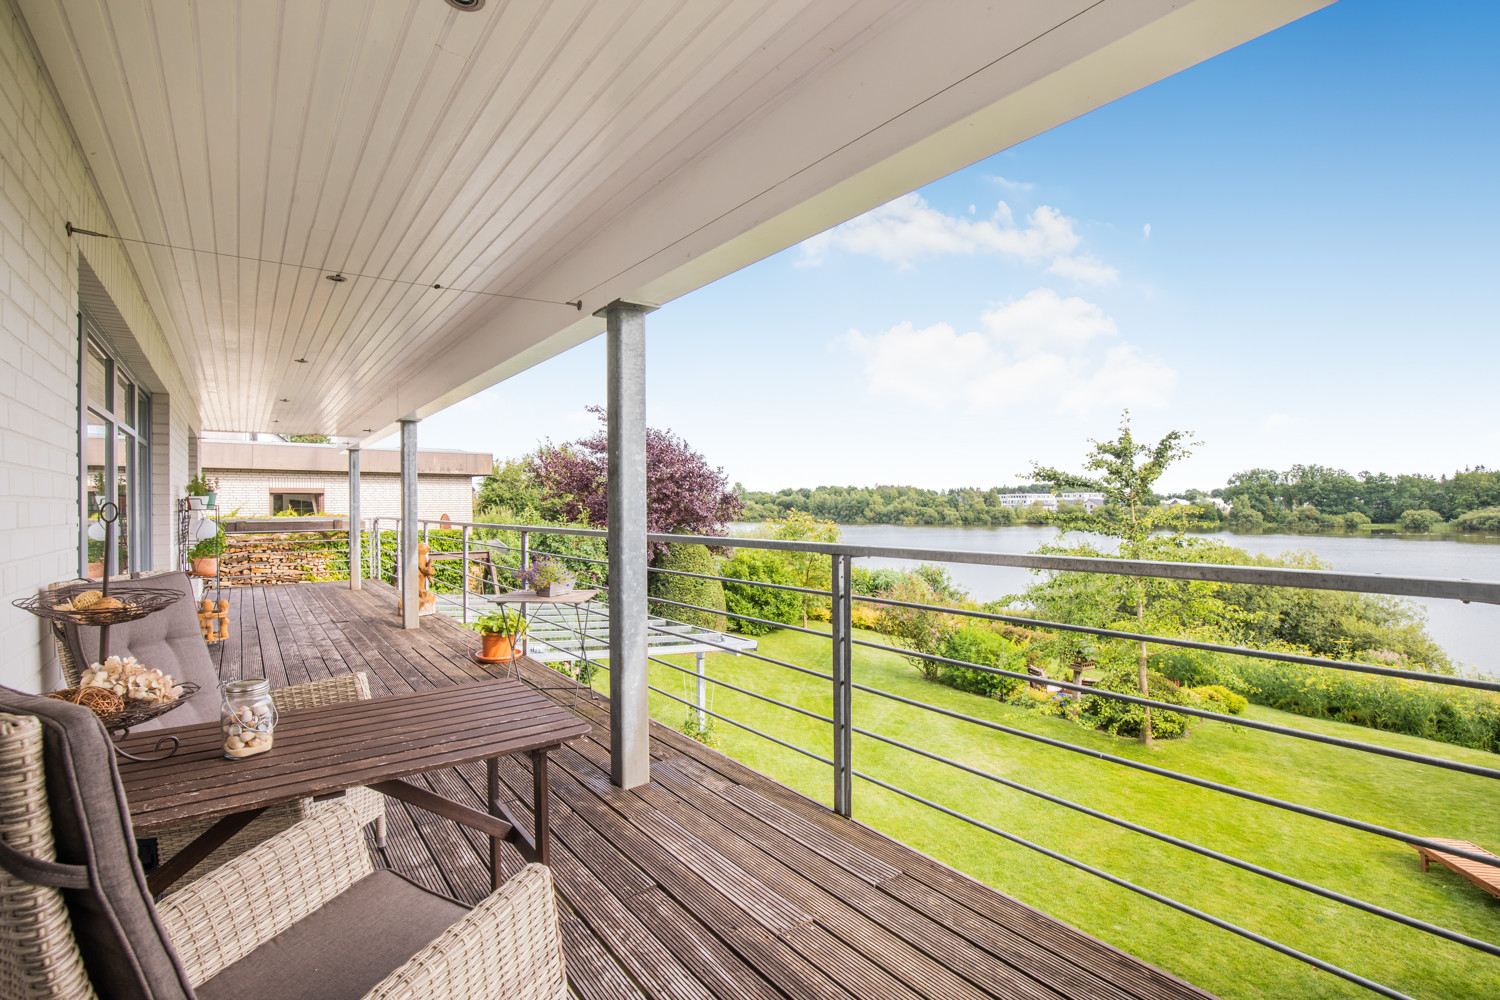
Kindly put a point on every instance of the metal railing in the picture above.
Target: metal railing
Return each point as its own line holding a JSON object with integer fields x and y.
{"x": 842, "y": 685}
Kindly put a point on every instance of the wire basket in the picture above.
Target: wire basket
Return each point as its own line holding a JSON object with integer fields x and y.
{"x": 133, "y": 714}
{"x": 134, "y": 602}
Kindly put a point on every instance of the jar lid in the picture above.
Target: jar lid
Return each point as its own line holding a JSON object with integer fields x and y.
{"x": 247, "y": 686}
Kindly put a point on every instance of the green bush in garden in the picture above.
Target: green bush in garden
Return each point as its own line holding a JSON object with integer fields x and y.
{"x": 762, "y": 566}
{"x": 1220, "y": 698}
{"x": 687, "y": 589}
{"x": 1123, "y": 718}
{"x": 977, "y": 644}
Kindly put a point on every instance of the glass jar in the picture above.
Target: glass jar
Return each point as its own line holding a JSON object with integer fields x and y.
{"x": 247, "y": 717}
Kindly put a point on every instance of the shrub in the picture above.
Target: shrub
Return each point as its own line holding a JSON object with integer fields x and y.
{"x": 874, "y": 582}
{"x": 917, "y": 629}
{"x": 1483, "y": 519}
{"x": 1195, "y": 668}
{"x": 1243, "y": 517}
{"x": 1220, "y": 698}
{"x": 1123, "y": 718}
{"x": 977, "y": 644}
{"x": 760, "y": 566}
{"x": 1393, "y": 704}
{"x": 1419, "y": 521}
{"x": 1354, "y": 520}
{"x": 687, "y": 589}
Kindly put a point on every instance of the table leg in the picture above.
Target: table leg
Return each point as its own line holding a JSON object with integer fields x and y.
{"x": 492, "y": 803}
{"x": 540, "y": 806}
{"x": 203, "y": 845}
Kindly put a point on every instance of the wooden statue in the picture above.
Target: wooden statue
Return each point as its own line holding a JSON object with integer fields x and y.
{"x": 213, "y": 619}
{"x": 426, "y": 599}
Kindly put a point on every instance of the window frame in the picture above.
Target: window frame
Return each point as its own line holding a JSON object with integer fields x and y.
{"x": 126, "y": 422}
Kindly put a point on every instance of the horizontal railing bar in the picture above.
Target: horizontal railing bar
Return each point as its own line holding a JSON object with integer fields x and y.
{"x": 741, "y": 725}
{"x": 755, "y": 656}
{"x": 1475, "y": 683}
{"x": 1483, "y": 591}
{"x": 735, "y": 579}
{"x": 1202, "y": 713}
{"x": 1206, "y": 852}
{"x": 1265, "y": 800}
{"x": 1209, "y": 918}
{"x": 732, "y": 614}
{"x": 753, "y": 694}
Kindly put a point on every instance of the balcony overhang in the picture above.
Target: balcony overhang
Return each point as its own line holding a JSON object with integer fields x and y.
{"x": 484, "y": 181}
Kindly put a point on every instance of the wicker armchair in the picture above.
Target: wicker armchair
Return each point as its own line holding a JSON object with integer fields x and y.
{"x": 304, "y": 913}
{"x": 173, "y": 634}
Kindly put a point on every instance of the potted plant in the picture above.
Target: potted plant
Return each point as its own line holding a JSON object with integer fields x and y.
{"x": 96, "y": 558}
{"x": 549, "y": 578}
{"x": 205, "y": 555}
{"x": 498, "y": 631}
{"x": 202, "y": 491}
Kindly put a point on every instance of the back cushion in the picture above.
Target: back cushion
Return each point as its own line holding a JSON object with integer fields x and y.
{"x": 170, "y": 641}
{"x": 122, "y": 943}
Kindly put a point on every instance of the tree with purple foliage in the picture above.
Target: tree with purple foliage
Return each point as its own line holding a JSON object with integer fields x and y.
{"x": 684, "y": 493}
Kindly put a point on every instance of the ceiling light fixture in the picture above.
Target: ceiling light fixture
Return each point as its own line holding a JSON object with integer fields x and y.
{"x": 285, "y": 400}
{"x": 466, "y": 4}
{"x": 336, "y": 278}
{"x": 300, "y": 361}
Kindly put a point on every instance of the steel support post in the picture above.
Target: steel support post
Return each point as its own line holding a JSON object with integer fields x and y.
{"x": 842, "y": 631}
{"x": 411, "y": 579}
{"x": 629, "y": 707}
{"x": 702, "y": 695}
{"x": 356, "y": 569}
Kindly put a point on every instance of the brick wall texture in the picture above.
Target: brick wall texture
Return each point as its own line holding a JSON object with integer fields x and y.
{"x": 45, "y": 183}
{"x": 379, "y": 493}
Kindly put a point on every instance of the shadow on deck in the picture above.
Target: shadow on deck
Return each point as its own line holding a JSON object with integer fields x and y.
{"x": 713, "y": 881}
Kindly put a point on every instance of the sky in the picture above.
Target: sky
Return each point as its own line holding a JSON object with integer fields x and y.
{"x": 1289, "y": 250}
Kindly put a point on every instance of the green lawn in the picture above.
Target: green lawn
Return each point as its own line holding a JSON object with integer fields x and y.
{"x": 1422, "y": 800}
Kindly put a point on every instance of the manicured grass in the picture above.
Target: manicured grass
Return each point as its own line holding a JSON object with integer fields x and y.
{"x": 1417, "y": 799}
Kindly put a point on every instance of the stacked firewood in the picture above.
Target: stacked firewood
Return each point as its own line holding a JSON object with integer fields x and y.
{"x": 258, "y": 560}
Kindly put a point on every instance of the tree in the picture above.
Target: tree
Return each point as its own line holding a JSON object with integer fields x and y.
{"x": 510, "y": 487}
{"x": 1127, "y": 473}
{"x": 683, "y": 492}
{"x": 804, "y": 569}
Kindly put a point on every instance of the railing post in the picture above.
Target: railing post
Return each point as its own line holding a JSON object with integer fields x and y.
{"x": 356, "y": 567}
{"x": 702, "y": 695}
{"x": 842, "y": 633}
{"x": 376, "y": 573}
{"x": 466, "y": 575}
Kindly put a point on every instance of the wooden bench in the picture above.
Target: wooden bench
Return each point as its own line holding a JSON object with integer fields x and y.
{"x": 1487, "y": 877}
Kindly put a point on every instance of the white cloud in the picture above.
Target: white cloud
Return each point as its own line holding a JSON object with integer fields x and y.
{"x": 1041, "y": 349}
{"x": 1086, "y": 269}
{"x": 1146, "y": 231}
{"x": 1280, "y": 422}
{"x": 1010, "y": 184}
{"x": 908, "y": 228}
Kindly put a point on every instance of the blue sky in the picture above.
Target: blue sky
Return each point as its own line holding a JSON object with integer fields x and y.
{"x": 1289, "y": 250}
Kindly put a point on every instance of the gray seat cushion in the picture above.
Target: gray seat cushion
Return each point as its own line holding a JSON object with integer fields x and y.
{"x": 124, "y": 948}
{"x": 344, "y": 948}
{"x": 170, "y": 640}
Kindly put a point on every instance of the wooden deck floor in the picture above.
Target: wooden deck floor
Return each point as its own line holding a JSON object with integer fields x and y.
{"x": 712, "y": 881}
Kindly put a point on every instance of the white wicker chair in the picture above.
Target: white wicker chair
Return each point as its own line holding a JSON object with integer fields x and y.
{"x": 229, "y": 920}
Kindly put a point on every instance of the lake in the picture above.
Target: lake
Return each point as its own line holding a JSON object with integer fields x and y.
{"x": 1469, "y": 632}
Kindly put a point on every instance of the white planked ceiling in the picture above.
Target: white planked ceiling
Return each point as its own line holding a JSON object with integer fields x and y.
{"x": 556, "y": 151}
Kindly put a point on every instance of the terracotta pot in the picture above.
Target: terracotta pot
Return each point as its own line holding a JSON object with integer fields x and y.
{"x": 496, "y": 647}
{"x": 96, "y": 571}
{"x": 208, "y": 566}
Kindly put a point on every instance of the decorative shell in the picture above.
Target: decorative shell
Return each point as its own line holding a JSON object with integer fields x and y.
{"x": 87, "y": 599}
{"x": 129, "y": 680}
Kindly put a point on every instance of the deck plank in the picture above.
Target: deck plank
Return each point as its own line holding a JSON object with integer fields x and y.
{"x": 711, "y": 882}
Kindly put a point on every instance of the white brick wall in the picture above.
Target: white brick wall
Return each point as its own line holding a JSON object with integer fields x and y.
{"x": 45, "y": 183}
{"x": 379, "y": 493}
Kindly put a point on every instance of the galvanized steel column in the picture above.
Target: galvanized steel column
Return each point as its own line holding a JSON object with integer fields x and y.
{"x": 356, "y": 569}
{"x": 629, "y": 707}
{"x": 410, "y": 578}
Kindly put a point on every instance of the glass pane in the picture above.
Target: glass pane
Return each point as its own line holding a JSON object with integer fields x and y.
{"x": 95, "y": 379}
{"x": 124, "y": 398}
{"x": 124, "y": 476}
{"x": 94, "y": 455}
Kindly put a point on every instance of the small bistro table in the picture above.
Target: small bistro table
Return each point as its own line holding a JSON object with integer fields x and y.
{"x": 321, "y": 752}
{"x": 574, "y": 599}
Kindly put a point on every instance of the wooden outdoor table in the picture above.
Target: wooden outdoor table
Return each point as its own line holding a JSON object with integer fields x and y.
{"x": 321, "y": 752}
